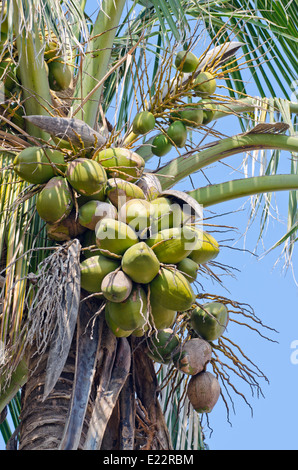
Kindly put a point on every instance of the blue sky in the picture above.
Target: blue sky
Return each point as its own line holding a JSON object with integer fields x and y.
{"x": 274, "y": 298}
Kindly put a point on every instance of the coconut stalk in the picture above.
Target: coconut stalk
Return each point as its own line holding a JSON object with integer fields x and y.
{"x": 217, "y": 193}
{"x": 97, "y": 58}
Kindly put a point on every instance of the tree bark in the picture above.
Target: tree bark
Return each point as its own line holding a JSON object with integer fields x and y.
{"x": 42, "y": 422}
{"x": 136, "y": 421}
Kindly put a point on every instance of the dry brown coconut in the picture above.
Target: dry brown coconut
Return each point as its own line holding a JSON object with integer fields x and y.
{"x": 203, "y": 392}
{"x": 193, "y": 356}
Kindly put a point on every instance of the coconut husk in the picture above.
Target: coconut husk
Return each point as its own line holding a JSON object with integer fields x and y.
{"x": 193, "y": 356}
{"x": 203, "y": 392}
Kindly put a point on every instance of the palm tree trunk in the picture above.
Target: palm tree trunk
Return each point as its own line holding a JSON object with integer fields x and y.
{"x": 133, "y": 424}
{"x": 42, "y": 422}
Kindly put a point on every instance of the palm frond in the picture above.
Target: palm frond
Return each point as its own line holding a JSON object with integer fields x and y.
{"x": 269, "y": 163}
{"x": 54, "y": 19}
{"x": 264, "y": 26}
{"x": 111, "y": 76}
{"x": 20, "y": 232}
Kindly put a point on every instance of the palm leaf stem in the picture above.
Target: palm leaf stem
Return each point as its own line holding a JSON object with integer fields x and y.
{"x": 245, "y": 105}
{"x": 222, "y": 192}
{"x": 17, "y": 380}
{"x": 187, "y": 164}
{"x": 96, "y": 62}
{"x": 36, "y": 90}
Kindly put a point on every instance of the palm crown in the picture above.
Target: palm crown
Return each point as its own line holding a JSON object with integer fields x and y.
{"x": 81, "y": 87}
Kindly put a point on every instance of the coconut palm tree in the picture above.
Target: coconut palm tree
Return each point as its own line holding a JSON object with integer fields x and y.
{"x": 75, "y": 75}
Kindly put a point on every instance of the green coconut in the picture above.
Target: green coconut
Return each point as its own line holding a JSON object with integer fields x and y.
{"x": 192, "y": 116}
{"x": 210, "y": 320}
{"x": 193, "y": 356}
{"x": 177, "y": 132}
{"x": 206, "y": 248}
{"x": 132, "y": 313}
{"x": 173, "y": 245}
{"x": 166, "y": 214}
{"x": 209, "y": 110}
{"x": 54, "y": 202}
{"x": 114, "y": 237}
{"x": 150, "y": 186}
{"x": 172, "y": 290}
{"x": 118, "y": 332}
{"x": 204, "y": 84}
{"x": 161, "y": 145}
{"x": 140, "y": 263}
{"x": 116, "y": 286}
{"x": 136, "y": 213}
{"x": 38, "y": 165}
{"x": 93, "y": 271}
{"x": 121, "y": 163}
{"x": 86, "y": 176}
{"x": 94, "y": 211}
{"x": 65, "y": 230}
{"x": 143, "y": 122}
{"x": 160, "y": 317}
{"x": 175, "y": 115}
{"x": 161, "y": 345}
{"x": 189, "y": 268}
{"x": 203, "y": 392}
{"x": 88, "y": 243}
{"x": 60, "y": 75}
{"x": 186, "y": 62}
{"x": 51, "y": 50}
{"x": 120, "y": 191}
{"x": 139, "y": 332}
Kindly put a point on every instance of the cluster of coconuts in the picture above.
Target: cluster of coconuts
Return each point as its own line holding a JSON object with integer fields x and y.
{"x": 191, "y": 115}
{"x": 58, "y": 71}
{"x": 141, "y": 252}
{"x": 140, "y": 249}
{"x": 207, "y": 323}
{"x": 8, "y": 68}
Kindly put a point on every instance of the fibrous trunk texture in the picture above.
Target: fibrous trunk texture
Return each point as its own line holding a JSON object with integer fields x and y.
{"x": 152, "y": 432}
{"x": 134, "y": 419}
{"x": 42, "y": 422}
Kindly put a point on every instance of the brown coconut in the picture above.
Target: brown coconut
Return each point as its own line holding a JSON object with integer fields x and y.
{"x": 66, "y": 229}
{"x": 193, "y": 356}
{"x": 203, "y": 392}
